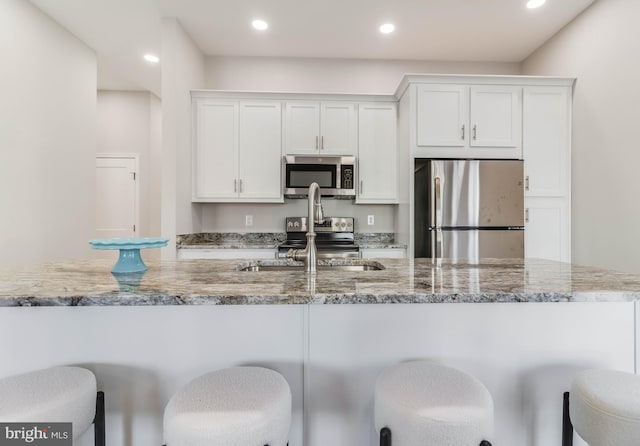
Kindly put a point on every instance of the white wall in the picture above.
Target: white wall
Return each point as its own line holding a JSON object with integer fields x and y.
{"x": 47, "y": 139}
{"x": 360, "y": 76}
{"x": 182, "y": 71}
{"x": 600, "y": 48}
{"x": 318, "y": 76}
{"x": 125, "y": 125}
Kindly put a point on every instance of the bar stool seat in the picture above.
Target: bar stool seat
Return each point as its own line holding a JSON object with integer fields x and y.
{"x": 420, "y": 403}
{"x": 238, "y": 406}
{"x": 605, "y": 407}
{"x": 58, "y": 394}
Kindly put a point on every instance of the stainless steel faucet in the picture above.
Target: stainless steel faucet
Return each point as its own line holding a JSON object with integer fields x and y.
{"x": 309, "y": 254}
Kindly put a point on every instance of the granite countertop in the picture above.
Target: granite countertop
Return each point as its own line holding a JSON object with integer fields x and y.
{"x": 230, "y": 240}
{"x": 218, "y": 282}
{"x": 271, "y": 240}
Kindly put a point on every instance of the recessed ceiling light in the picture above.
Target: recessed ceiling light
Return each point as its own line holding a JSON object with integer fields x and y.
{"x": 260, "y": 24}
{"x": 535, "y": 3}
{"x": 151, "y": 58}
{"x": 387, "y": 28}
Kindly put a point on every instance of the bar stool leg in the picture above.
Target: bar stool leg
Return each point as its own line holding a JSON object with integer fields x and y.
{"x": 567, "y": 427}
{"x": 98, "y": 421}
{"x": 385, "y": 436}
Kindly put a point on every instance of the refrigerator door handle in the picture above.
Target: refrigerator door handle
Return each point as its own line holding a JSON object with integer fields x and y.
{"x": 438, "y": 211}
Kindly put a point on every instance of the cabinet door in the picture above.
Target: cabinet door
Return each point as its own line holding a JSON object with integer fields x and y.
{"x": 547, "y": 234}
{"x": 495, "y": 116}
{"x": 302, "y": 127}
{"x": 260, "y": 157}
{"x": 377, "y": 154}
{"x": 216, "y": 147}
{"x": 546, "y": 141}
{"x": 337, "y": 128}
{"x": 442, "y": 115}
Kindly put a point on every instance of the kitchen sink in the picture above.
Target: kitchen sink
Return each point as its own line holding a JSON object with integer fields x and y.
{"x": 342, "y": 265}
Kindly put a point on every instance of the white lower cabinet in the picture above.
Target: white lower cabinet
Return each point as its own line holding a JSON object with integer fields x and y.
{"x": 547, "y": 226}
{"x": 240, "y": 254}
{"x": 383, "y": 253}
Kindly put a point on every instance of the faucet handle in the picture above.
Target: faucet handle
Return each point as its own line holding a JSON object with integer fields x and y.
{"x": 319, "y": 212}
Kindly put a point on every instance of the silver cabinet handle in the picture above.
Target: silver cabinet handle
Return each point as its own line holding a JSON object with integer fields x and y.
{"x": 526, "y": 215}
{"x": 526, "y": 182}
{"x": 317, "y": 143}
{"x": 235, "y": 185}
{"x": 322, "y": 142}
{"x": 475, "y": 131}
{"x": 360, "y": 187}
{"x": 462, "y": 132}
{"x": 240, "y": 181}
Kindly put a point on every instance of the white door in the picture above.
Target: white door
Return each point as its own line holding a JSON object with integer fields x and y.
{"x": 337, "y": 128}
{"x": 547, "y": 141}
{"x": 495, "y": 116}
{"x": 547, "y": 229}
{"x": 116, "y": 196}
{"x": 442, "y": 115}
{"x": 377, "y": 154}
{"x": 216, "y": 150}
{"x": 260, "y": 157}
{"x": 302, "y": 120}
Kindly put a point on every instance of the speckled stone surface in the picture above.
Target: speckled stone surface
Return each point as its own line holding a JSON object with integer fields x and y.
{"x": 270, "y": 240}
{"x": 378, "y": 240}
{"x": 219, "y": 282}
{"x": 230, "y": 240}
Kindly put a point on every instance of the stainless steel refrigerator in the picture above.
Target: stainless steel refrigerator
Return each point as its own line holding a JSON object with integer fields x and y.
{"x": 469, "y": 209}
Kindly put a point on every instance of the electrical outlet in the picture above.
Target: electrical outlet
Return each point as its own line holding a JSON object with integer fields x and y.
{"x": 370, "y": 220}
{"x": 248, "y": 220}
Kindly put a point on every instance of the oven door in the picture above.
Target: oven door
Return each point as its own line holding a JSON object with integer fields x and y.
{"x": 300, "y": 172}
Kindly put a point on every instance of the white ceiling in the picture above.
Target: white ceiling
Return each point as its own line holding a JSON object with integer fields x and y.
{"x": 439, "y": 30}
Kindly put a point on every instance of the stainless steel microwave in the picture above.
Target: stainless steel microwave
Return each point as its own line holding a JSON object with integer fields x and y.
{"x": 334, "y": 174}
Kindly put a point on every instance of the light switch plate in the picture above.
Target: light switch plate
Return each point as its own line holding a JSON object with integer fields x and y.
{"x": 248, "y": 220}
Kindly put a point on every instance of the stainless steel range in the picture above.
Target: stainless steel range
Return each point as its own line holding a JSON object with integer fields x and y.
{"x": 334, "y": 237}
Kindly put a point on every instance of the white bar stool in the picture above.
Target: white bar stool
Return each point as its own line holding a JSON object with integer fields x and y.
{"x": 238, "y": 406}
{"x": 604, "y": 407}
{"x": 421, "y": 403}
{"x": 58, "y": 394}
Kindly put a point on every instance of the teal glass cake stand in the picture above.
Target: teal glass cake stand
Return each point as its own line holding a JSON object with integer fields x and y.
{"x": 129, "y": 260}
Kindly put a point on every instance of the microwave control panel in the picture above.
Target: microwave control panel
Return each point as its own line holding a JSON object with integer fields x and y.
{"x": 347, "y": 176}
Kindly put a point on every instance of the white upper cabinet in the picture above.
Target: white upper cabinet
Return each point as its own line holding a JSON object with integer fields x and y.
{"x": 260, "y": 161}
{"x": 495, "y": 116}
{"x": 317, "y": 128}
{"x": 237, "y": 151}
{"x": 546, "y": 141}
{"x": 377, "y": 153}
{"x": 215, "y": 161}
{"x": 479, "y": 121}
{"x": 442, "y": 115}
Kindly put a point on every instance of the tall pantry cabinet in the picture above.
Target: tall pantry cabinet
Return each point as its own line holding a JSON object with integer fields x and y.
{"x": 494, "y": 117}
{"x": 546, "y": 146}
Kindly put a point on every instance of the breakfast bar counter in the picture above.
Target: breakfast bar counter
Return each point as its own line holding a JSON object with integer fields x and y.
{"x": 221, "y": 282}
{"x": 523, "y": 328}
